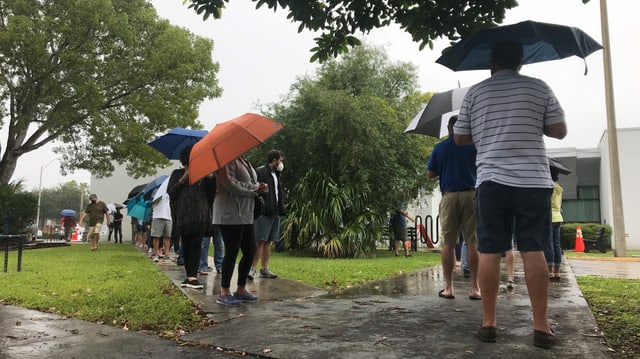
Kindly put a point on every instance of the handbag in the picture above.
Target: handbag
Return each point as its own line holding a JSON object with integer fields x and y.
{"x": 259, "y": 207}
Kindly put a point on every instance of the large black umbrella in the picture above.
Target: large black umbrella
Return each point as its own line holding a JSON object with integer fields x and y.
{"x": 562, "y": 169}
{"x": 429, "y": 120}
{"x": 134, "y": 191}
{"x": 541, "y": 42}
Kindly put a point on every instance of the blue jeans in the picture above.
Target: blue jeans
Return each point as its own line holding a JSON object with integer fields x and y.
{"x": 553, "y": 251}
{"x": 463, "y": 255}
{"x": 218, "y": 252}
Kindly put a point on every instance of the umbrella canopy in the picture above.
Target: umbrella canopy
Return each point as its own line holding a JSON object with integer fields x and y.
{"x": 67, "y": 212}
{"x": 227, "y": 141}
{"x": 541, "y": 42}
{"x": 138, "y": 207}
{"x": 114, "y": 206}
{"x": 135, "y": 190}
{"x": 562, "y": 169}
{"x": 148, "y": 190}
{"x": 173, "y": 142}
{"x": 429, "y": 120}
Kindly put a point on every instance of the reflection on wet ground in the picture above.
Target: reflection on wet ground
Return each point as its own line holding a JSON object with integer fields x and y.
{"x": 626, "y": 268}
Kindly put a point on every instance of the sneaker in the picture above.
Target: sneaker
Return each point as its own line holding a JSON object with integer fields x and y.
{"x": 544, "y": 340}
{"x": 510, "y": 285}
{"x": 180, "y": 261}
{"x": 252, "y": 273}
{"x": 266, "y": 273}
{"x": 184, "y": 283}
{"x": 193, "y": 284}
{"x": 228, "y": 300}
{"x": 245, "y": 297}
{"x": 466, "y": 273}
{"x": 156, "y": 259}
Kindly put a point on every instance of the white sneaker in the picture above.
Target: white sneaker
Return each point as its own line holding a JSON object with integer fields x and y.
{"x": 252, "y": 273}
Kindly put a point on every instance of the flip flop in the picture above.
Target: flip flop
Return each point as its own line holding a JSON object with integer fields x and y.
{"x": 475, "y": 297}
{"x": 445, "y": 296}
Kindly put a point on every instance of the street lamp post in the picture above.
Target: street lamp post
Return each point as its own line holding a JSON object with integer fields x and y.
{"x": 40, "y": 195}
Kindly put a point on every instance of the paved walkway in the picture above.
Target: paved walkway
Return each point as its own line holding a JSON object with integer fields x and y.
{"x": 401, "y": 317}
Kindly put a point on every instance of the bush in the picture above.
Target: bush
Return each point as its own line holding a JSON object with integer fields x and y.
{"x": 568, "y": 234}
{"x": 17, "y": 209}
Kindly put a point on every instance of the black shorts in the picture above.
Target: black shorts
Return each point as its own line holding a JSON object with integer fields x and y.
{"x": 497, "y": 208}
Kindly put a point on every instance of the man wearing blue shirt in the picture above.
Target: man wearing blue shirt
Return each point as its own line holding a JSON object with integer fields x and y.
{"x": 456, "y": 168}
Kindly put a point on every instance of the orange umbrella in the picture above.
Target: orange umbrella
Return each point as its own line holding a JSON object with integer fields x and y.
{"x": 227, "y": 141}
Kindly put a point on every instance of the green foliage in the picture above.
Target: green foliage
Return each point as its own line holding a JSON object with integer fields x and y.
{"x": 100, "y": 78}
{"x": 17, "y": 209}
{"x": 615, "y": 303}
{"x": 568, "y": 233}
{"x": 330, "y": 219}
{"x": 346, "y": 124}
{"x": 338, "y": 20}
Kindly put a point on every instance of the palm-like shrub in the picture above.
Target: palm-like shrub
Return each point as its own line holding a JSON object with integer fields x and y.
{"x": 331, "y": 220}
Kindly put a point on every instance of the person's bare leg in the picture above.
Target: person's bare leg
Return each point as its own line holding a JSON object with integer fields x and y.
{"x": 489, "y": 281}
{"x": 472, "y": 265}
{"x": 156, "y": 246}
{"x": 536, "y": 275}
{"x": 509, "y": 258}
{"x": 258, "y": 255}
{"x": 265, "y": 253}
{"x": 167, "y": 245}
{"x": 395, "y": 247}
{"x": 407, "y": 248}
{"x": 448, "y": 258}
{"x": 94, "y": 240}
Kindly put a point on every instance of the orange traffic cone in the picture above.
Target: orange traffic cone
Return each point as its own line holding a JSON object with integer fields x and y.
{"x": 74, "y": 235}
{"x": 579, "y": 240}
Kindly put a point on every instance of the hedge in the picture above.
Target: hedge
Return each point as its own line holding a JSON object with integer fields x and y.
{"x": 568, "y": 234}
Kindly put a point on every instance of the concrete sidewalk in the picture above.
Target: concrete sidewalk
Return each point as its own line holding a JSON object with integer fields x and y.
{"x": 401, "y": 317}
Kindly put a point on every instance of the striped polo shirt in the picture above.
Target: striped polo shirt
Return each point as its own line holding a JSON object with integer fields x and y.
{"x": 505, "y": 116}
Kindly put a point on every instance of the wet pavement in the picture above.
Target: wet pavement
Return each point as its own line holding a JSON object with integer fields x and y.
{"x": 401, "y": 317}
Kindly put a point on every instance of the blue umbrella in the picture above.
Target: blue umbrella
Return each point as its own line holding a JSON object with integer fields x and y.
{"x": 172, "y": 143}
{"x": 68, "y": 212}
{"x": 540, "y": 41}
{"x": 147, "y": 191}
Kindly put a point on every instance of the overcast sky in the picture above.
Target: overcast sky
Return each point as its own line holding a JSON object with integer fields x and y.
{"x": 261, "y": 53}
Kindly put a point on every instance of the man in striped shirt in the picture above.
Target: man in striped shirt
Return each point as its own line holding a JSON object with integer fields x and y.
{"x": 506, "y": 116}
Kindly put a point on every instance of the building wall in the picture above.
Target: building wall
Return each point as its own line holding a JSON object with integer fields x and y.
{"x": 116, "y": 188}
{"x": 628, "y": 149}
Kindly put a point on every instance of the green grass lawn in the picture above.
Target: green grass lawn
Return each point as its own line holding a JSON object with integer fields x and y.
{"x": 119, "y": 286}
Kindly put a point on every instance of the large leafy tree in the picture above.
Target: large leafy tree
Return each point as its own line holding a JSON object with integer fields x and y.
{"x": 338, "y": 20}
{"x": 347, "y": 160}
{"x": 98, "y": 77}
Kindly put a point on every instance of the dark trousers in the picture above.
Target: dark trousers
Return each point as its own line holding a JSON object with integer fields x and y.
{"x": 191, "y": 246}
{"x": 237, "y": 237}
{"x": 117, "y": 234}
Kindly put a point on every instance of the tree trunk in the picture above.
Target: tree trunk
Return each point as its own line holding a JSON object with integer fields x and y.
{"x": 7, "y": 167}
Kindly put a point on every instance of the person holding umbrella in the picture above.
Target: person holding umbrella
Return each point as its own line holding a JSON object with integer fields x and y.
{"x": 506, "y": 116}
{"x": 237, "y": 188}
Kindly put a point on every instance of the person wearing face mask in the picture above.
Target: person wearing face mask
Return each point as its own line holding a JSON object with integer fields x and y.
{"x": 267, "y": 226}
{"x": 96, "y": 210}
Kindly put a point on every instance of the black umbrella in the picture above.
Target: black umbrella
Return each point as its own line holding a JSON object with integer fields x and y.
{"x": 540, "y": 41}
{"x": 562, "y": 169}
{"x": 429, "y": 120}
{"x": 134, "y": 191}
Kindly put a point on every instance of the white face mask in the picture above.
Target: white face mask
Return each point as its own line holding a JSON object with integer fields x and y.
{"x": 280, "y": 167}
